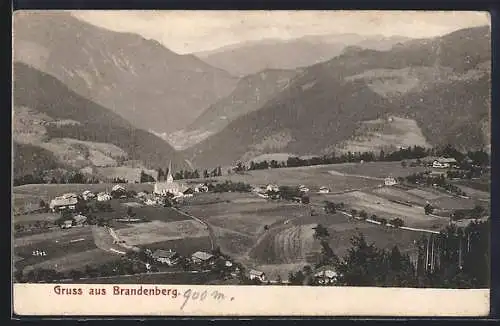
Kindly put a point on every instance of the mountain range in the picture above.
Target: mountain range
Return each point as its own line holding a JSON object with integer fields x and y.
{"x": 139, "y": 79}
{"x": 442, "y": 83}
{"x": 251, "y": 57}
{"x": 250, "y": 94}
{"x": 58, "y": 128}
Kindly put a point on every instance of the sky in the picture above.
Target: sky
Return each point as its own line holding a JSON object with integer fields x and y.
{"x": 197, "y": 31}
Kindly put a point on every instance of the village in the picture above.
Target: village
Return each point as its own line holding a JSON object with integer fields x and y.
{"x": 125, "y": 223}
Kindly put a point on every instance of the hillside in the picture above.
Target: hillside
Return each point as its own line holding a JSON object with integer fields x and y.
{"x": 250, "y": 94}
{"x": 254, "y": 56}
{"x": 443, "y": 84}
{"x": 141, "y": 80}
{"x": 65, "y": 129}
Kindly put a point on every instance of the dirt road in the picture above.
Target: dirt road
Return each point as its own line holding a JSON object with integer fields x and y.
{"x": 207, "y": 225}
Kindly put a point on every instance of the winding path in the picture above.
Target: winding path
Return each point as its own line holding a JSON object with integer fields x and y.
{"x": 208, "y": 226}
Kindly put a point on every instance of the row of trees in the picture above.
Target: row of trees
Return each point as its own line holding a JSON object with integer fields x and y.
{"x": 480, "y": 157}
{"x": 425, "y": 178}
{"x": 67, "y": 178}
{"x": 229, "y": 186}
{"x": 332, "y": 208}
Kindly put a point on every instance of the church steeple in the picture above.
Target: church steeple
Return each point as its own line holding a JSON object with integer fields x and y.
{"x": 169, "y": 174}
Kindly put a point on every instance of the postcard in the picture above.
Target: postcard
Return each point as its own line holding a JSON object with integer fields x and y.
{"x": 251, "y": 163}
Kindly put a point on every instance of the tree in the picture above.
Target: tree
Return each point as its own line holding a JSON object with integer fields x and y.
{"x": 363, "y": 215}
{"x": 330, "y": 207}
{"x": 144, "y": 177}
{"x": 428, "y": 209}
{"x": 130, "y": 212}
{"x": 205, "y": 174}
{"x": 320, "y": 232}
{"x": 363, "y": 264}
{"x": 42, "y": 204}
{"x": 477, "y": 211}
{"x": 397, "y": 222}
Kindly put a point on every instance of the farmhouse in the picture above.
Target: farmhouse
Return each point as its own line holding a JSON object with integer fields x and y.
{"x": 444, "y": 162}
{"x": 389, "y": 181}
{"x": 168, "y": 257}
{"x": 324, "y": 190}
{"x": 79, "y": 219}
{"x": 103, "y": 196}
{"x": 272, "y": 187}
{"x": 201, "y": 188}
{"x": 325, "y": 275}
{"x": 118, "y": 188}
{"x": 254, "y": 274}
{"x": 303, "y": 188}
{"x": 67, "y": 224}
{"x": 87, "y": 194}
{"x": 62, "y": 203}
{"x": 169, "y": 186}
{"x": 201, "y": 257}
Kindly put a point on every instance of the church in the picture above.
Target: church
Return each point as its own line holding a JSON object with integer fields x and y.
{"x": 169, "y": 186}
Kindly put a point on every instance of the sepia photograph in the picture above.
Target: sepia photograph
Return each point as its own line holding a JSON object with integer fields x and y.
{"x": 313, "y": 150}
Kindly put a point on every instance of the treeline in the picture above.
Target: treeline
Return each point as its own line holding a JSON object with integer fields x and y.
{"x": 478, "y": 158}
{"x": 425, "y": 178}
{"x": 229, "y": 186}
{"x": 68, "y": 178}
{"x": 455, "y": 258}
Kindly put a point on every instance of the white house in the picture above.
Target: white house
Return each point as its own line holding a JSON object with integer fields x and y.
{"x": 255, "y": 274}
{"x": 103, "y": 196}
{"x": 61, "y": 203}
{"x": 324, "y": 190}
{"x": 87, "y": 194}
{"x": 303, "y": 188}
{"x": 200, "y": 257}
{"x": 201, "y": 188}
{"x": 168, "y": 257}
{"x": 325, "y": 275}
{"x": 390, "y": 181}
{"x": 69, "y": 195}
{"x": 444, "y": 163}
{"x": 67, "y": 224}
{"x": 272, "y": 187}
{"x": 79, "y": 219}
{"x": 118, "y": 188}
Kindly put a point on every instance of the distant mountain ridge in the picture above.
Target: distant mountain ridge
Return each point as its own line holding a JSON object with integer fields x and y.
{"x": 141, "y": 80}
{"x": 442, "y": 83}
{"x": 64, "y": 129}
{"x": 250, "y": 94}
{"x": 254, "y": 56}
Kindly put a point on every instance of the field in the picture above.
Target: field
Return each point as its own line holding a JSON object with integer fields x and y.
{"x": 30, "y": 195}
{"x": 376, "y": 169}
{"x": 185, "y": 247}
{"x": 65, "y": 249}
{"x": 239, "y": 222}
{"x": 273, "y": 236}
{"x": 311, "y": 176}
{"x": 156, "y": 231}
{"x": 164, "y": 278}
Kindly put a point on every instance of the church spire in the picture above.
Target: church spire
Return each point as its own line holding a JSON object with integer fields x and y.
{"x": 169, "y": 175}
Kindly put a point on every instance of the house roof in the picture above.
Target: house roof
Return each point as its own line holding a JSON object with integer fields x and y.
{"x": 68, "y": 222}
{"x": 79, "y": 218}
{"x": 201, "y": 255}
{"x": 61, "y": 201}
{"x": 446, "y": 160}
{"x": 327, "y": 274}
{"x": 256, "y": 272}
{"x": 118, "y": 187}
{"x": 160, "y": 253}
{"x": 69, "y": 195}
